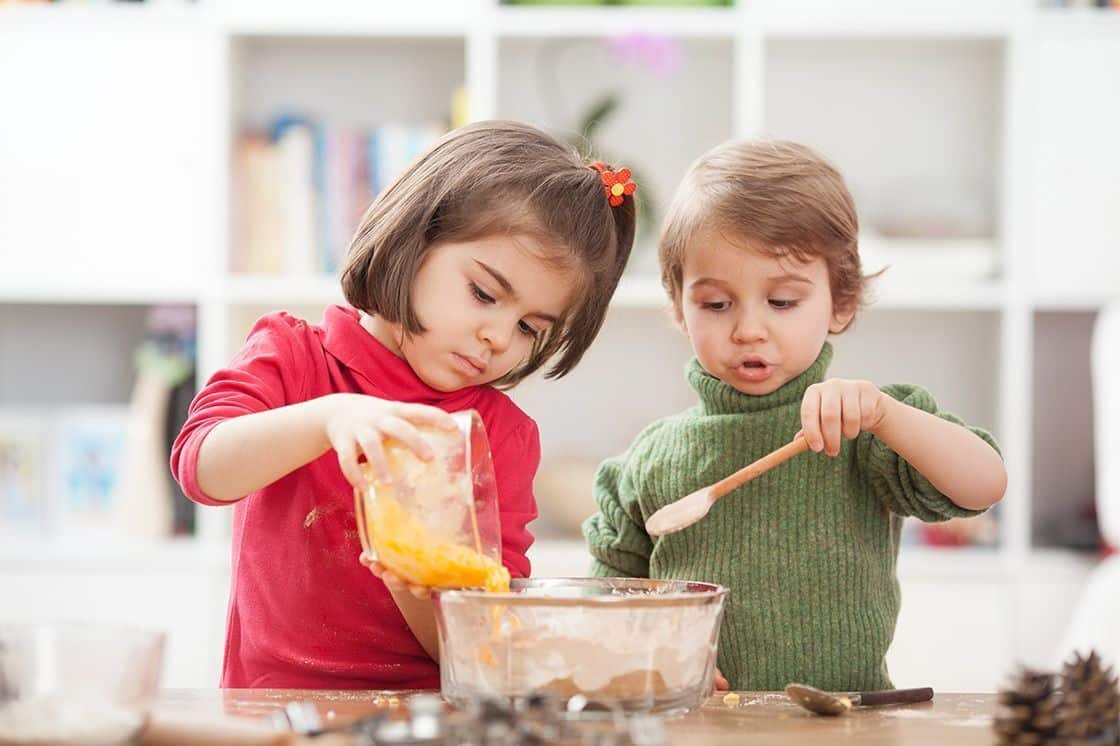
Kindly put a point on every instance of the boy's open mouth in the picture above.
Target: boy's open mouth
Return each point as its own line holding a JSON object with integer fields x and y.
{"x": 754, "y": 370}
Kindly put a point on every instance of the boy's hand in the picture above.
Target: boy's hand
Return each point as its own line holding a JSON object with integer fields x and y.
{"x": 357, "y": 425}
{"x": 720, "y": 684}
{"x": 836, "y": 408}
{"x": 393, "y": 581}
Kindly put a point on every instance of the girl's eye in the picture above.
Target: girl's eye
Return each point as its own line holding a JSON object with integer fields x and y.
{"x": 782, "y": 304}
{"x": 481, "y": 295}
{"x": 719, "y": 305}
{"x": 528, "y": 330}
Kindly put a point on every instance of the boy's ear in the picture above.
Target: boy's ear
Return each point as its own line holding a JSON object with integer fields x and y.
{"x": 841, "y": 317}
{"x": 678, "y": 318}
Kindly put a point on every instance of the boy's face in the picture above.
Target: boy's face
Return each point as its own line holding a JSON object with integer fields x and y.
{"x": 482, "y": 304}
{"x": 755, "y": 322}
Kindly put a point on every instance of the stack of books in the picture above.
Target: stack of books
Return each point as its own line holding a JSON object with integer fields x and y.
{"x": 301, "y": 189}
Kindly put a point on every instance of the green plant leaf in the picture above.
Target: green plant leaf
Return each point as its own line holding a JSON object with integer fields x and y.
{"x": 599, "y": 112}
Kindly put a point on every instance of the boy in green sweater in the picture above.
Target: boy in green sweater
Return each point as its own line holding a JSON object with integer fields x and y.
{"x": 759, "y": 256}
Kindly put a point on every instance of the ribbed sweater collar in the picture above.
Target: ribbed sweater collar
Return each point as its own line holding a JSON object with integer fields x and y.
{"x": 717, "y": 397}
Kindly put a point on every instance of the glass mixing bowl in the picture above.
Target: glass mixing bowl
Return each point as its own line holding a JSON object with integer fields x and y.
{"x": 437, "y": 523}
{"x": 627, "y": 644}
{"x": 76, "y": 684}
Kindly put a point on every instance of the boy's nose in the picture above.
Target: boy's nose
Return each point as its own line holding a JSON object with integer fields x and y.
{"x": 749, "y": 328}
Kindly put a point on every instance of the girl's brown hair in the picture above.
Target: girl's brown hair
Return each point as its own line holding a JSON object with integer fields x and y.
{"x": 783, "y": 199}
{"x": 486, "y": 179}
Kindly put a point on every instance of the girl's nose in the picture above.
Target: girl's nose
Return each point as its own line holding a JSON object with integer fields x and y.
{"x": 496, "y": 337}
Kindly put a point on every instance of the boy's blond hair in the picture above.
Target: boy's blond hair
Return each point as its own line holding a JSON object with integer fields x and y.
{"x": 779, "y": 197}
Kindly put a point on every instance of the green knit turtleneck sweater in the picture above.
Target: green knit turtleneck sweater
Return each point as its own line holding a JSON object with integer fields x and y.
{"x": 807, "y": 549}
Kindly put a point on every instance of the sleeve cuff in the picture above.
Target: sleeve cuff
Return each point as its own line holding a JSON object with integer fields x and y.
{"x": 187, "y": 467}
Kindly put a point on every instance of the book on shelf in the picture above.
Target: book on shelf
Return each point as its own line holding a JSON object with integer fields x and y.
{"x": 301, "y": 189}
{"x": 23, "y": 442}
{"x": 89, "y": 445}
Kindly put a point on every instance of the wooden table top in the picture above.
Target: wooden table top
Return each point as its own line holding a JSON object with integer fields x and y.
{"x": 758, "y": 718}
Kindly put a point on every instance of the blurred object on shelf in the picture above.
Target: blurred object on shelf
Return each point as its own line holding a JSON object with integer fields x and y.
{"x": 679, "y": 3}
{"x": 1074, "y": 528}
{"x": 978, "y": 531}
{"x": 174, "y": 330}
{"x": 89, "y": 444}
{"x": 23, "y": 441}
{"x": 658, "y": 54}
{"x": 165, "y": 360}
{"x": 564, "y": 487}
{"x": 460, "y": 107}
{"x": 301, "y": 190}
{"x": 1107, "y": 4}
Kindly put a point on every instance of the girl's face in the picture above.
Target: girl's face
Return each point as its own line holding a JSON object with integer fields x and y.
{"x": 755, "y": 322}
{"x": 483, "y": 304}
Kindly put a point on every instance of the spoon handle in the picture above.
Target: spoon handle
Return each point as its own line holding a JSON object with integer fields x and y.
{"x": 894, "y": 697}
{"x": 764, "y": 464}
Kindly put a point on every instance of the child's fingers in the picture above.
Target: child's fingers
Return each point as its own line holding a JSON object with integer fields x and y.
{"x": 389, "y": 578}
{"x": 422, "y": 414}
{"x": 398, "y": 429}
{"x": 811, "y": 418}
{"x": 369, "y": 440}
{"x": 721, "y": 684}
{"x": 366, "y": 560}
{"x": 867, "y": 401}
{"x": 420, "y": 591}
{"x": 348, "y": 463}
{"x": 830, "y": 421}
{"x": 850, "y": 413}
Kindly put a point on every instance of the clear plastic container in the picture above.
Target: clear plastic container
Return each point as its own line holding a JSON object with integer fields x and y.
{"x": 76, "y": 684}
{"x": 628, "y": 644}
{"x": 437, "y": 523}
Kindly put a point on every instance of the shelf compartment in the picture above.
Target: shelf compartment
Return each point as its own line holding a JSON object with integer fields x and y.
{"x": 666, "y": 116}
{"x": 1073, "y": 198}
{"x": 913, "y": 126}
{"x": 106, "y": 151}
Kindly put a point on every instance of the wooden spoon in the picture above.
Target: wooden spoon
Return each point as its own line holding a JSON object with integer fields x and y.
{"x": 825, "y": 703}
{"x": 691, "y": 508}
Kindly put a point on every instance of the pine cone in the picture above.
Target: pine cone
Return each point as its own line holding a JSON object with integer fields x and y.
{"x": 1029, "y": 712}
{"x": 1090, "y": 709}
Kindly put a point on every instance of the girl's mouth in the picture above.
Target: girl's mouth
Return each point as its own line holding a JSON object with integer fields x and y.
{"x": 470, "y": 366}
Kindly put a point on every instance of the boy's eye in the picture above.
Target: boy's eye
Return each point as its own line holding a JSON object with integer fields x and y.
{"x": 480, "y": 294}
{"x": 776, "y": 303}
{"x": 528, "y": 330}
{"x": 718, "y": 305}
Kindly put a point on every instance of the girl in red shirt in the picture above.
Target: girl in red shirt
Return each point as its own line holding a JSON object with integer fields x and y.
{"x": 495, "y": 253}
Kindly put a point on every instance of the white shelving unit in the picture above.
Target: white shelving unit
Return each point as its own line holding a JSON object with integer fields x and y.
{"x": 986, "y": 125}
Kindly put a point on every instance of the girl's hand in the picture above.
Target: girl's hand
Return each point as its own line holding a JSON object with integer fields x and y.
{"x": 393, "y": 581}
{"x": 838, "y": 408}
{"x": 356, "y": 424}
{"x": 720, "y": 684}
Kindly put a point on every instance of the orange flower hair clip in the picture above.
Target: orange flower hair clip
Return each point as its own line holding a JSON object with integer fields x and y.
{"x": 615, "y": 183}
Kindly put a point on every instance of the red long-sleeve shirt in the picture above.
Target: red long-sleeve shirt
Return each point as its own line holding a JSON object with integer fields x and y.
{"x": 303, "y": 613}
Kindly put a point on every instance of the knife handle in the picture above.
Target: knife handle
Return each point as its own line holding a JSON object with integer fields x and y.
{"x": 895, "y": 697}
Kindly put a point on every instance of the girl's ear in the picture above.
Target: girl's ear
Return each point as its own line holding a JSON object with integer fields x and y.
{"x": 841, "y": 318}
